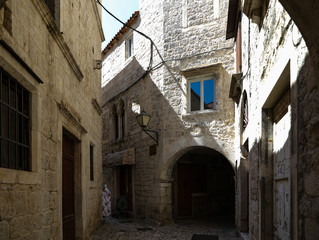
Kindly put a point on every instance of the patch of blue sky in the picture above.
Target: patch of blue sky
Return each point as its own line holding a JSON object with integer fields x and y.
{"x": 122, "y": 9}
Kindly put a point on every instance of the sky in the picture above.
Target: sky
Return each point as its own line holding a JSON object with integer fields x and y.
{"x": 122, "y": 9}
{"x": 208, "y": 90}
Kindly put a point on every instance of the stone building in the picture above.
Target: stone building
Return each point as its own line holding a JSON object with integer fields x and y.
{"x": 275, "y": 90}
{"x": 181, "y": 78}
{"x": 50, "y": 175}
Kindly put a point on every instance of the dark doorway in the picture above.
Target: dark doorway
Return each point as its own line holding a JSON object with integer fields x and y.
{"x": 191, "y": 179}
{"x": 203, "y": 185}
{"x": 68, "y": 205}
{"x": 126, "y": 185}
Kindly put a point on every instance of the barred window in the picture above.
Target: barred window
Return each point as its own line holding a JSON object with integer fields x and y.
{"x": 15, "y": 124}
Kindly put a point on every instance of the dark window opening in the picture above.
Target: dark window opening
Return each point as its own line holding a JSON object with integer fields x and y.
{"x": 126, "y": 185}
{"x": 116, "y": 122}
{"x": 15, "y": 124}
{"x": 152, "y": 150}
{"x": 91, "y": 163}
{"x": 123, "y": 125}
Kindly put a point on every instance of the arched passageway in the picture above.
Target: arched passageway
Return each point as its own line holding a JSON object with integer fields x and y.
{"x": 203, "y": 184}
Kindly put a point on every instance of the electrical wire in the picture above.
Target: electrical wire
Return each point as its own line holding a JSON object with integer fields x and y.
{"x": 150, "y": 68}
{"x": 140, "y": 78}
{"x": 141, "y": 33}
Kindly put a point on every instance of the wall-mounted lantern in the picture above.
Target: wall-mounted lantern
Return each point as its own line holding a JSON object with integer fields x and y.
{"x": 143, "y": 119}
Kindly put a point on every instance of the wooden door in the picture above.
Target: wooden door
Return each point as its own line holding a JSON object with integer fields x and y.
{"x": 68, "y": 213}
{"x": 126, "y": 185}
{"x": 191, "y": 179}
{"x": 282, "y": 154}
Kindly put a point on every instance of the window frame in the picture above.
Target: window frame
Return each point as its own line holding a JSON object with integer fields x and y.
{"x": 91, "y": 162}
{"x": 22, "y": 140}
{"x": 201, "y": 80}
{"x": 129, "y": 46}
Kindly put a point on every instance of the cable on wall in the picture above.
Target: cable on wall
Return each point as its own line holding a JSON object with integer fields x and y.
{"x": 139, "y": 32}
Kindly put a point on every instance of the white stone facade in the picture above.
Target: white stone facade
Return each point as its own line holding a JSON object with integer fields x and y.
{"x": 277, "y": 76}
{"x": 190, "y": 37}
{"x": 53, "y": 59}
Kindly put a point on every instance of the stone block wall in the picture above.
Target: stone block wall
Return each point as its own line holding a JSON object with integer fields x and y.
{"x": 188, "y": 51}
{"x": 60, "y": 53}
{"x": 273, "y": 49}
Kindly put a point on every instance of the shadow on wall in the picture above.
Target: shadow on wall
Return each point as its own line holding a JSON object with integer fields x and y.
{"x": 163, "y": 105}
{"x": 283, "y": 170}
{"x": 304, "y": 14}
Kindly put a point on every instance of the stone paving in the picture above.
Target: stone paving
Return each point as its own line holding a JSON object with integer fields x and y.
{"x": 129, "y": 229}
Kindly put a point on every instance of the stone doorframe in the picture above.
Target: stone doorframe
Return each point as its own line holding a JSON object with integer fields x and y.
{"x": 165, "y": 180}
{"x": 68, "y": 125}
{"x": 283, "y": 79}
{"x": 77, "y": 184}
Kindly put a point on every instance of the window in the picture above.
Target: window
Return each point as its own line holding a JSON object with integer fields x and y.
{"x": 121, "y": 113}
{"x": 126, "y": 192}
{"x": 201, "y": 94}
{"x": 245, "y": 112}
{"x": 51, "y": 6}
{"x": 129, "y": 47}
{"x": 15, "y": 124}
{"x": 114, "y": 129}
{"x": 91, "y": 163}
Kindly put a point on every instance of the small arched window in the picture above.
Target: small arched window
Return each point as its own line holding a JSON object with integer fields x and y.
{"x": 115, "y": 123}
{"x": 121, "y": 115}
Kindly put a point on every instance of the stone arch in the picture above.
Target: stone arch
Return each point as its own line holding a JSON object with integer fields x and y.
{"x": 166, "y": 171}
{"x": 304, "y": 14}
{"x": 195, "y": 183}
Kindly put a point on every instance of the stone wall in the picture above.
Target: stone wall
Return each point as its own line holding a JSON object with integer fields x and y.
{"x": 62, "y": 58}
{"x": 273, "y": 51}
{"x": 190, "y": 50}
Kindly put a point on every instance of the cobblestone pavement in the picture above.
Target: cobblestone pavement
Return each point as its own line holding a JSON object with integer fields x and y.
{"x": 128, "y": 229}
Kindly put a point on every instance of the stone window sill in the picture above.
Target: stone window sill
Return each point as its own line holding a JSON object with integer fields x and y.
{"x": 11, "y": 176}
{"x": 201, "y": 112}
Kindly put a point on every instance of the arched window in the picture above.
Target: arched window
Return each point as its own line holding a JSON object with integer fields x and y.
{"x": 114, "y": 129}
{"x": 122, "y": 118}
{"x": 121, "y": 115}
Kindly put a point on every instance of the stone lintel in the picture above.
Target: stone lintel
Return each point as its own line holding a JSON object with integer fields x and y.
{"x": 98, "y": 20}
{"x": 70, "y": 117}
{"x": 8, "y": 48}
{"x": 202, "y": 71}
{"x": 96, "y": 106}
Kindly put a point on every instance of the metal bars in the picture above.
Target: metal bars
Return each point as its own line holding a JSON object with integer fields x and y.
{"x": 15, "y": 124}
